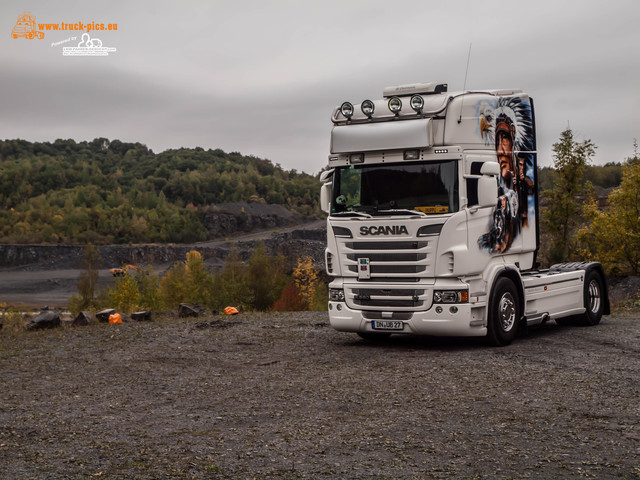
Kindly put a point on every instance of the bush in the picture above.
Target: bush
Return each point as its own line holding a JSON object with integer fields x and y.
{"x": 290, "y": 300}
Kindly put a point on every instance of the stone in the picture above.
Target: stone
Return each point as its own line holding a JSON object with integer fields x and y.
{"x": 46, "y": 319}
{"x": 103, "y": 316}
{"x": 141, "y": 316}
{"x": 83, "y": 319}
{"x": 189, "y": 310}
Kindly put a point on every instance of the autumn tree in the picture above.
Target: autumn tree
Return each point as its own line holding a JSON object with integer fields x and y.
{"x": 306, "y": 280}
{"x": 613, "y": 235}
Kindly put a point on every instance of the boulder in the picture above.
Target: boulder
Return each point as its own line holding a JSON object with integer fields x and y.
{"x": 141, "y": 316}
{"x": 83, "y": 319}
{"x": 103, "y": 316}
{"x": 189, "y": 310}
{"x": 46, "y": 319}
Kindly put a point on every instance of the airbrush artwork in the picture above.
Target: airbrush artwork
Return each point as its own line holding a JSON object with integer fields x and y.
{"x": 507, "y": 124}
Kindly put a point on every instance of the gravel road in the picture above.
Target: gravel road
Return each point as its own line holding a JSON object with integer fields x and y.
{"x": 285, "y": 396}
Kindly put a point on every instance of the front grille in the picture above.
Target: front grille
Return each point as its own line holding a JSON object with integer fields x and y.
{"x": 397, "y": 271}
{"x": 410, "y": 245}
{"x": 388, "y": 303}
{"x": 388, "y": 292}
{"x": 388, "y": 297}
{"x": 402, "y": 258}
{"x": 404, "y": 269}
{"x": 372, "y": 315}
{"x": 391, "y": 257}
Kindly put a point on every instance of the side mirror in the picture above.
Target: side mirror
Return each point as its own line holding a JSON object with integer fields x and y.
{"x": 490, "y": 168}
{"x": 488, "y": 185}
{"x": 325, "y": 197}
{"x": 325, "y": 191}
{"x": 487, "y": 191}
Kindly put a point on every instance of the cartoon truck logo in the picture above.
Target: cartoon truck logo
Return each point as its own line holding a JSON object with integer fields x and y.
{"x": 26, "y": 27}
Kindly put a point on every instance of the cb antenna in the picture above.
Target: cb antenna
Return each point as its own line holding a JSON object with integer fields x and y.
{"x": 464, "y": 88}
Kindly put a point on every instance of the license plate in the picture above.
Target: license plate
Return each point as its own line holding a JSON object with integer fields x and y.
{"x": 387, "y": 325}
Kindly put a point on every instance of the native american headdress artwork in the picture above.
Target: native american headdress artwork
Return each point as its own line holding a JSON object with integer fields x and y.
{"x": 512, "y": 113}
{"x": 511, "y": 116}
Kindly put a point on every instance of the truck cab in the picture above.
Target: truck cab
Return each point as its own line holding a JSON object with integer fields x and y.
{"x": 433, "y": 218}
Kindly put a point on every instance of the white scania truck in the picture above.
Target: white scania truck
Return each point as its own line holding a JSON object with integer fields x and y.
{"x": 433, "y": 219}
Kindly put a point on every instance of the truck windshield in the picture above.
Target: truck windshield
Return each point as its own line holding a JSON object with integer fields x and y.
{"x": 430, "y": 188}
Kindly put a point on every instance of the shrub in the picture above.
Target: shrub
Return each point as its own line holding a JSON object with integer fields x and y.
{"x": 290, "y": 300}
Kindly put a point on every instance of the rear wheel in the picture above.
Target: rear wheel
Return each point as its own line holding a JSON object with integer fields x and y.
{"x": 593, "y": 299}
{"x": 504, "y": 313}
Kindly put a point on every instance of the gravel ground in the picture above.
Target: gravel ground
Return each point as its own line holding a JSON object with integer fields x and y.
{"x": 285, "y": 396}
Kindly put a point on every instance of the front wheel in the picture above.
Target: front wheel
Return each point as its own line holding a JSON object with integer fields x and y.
{"x": 593, "y": 299}
{"x": 504, "y": 313}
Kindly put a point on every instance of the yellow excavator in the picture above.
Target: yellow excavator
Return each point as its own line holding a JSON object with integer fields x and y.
{"x": 121, "y": 272}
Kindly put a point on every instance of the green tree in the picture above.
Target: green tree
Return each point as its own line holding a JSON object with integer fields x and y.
{"x": 88, "y": 281}
{"x": 266, "y": 277}
{"x": 173, "y": 287}
{"x": 232, "y": 284}
{"x": 125, "y": 296}
{"x": 564, "y": 212}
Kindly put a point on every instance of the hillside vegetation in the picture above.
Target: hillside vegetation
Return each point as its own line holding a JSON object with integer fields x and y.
{"x": 114, "y": 192}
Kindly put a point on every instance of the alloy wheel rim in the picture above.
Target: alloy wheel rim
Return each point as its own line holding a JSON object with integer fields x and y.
{"x": 507, "y": 312}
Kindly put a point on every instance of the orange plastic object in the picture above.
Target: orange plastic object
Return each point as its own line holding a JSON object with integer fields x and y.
{"x": 115, "y": 319}
{"x": 231, "y": 311}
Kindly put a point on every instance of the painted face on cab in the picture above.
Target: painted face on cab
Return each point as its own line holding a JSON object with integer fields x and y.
{"x": 504, "y": 151}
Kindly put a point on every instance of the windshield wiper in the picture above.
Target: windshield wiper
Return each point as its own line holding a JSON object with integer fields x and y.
{"x": 400, "y": 211}
{"x": 351, "y": 214}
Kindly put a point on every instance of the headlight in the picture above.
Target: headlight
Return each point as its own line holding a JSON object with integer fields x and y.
{"x": 395, "y": 105}
{"x": 417, "y": 102}
{"x": 450, "y": 296}
{"x": 336, "y": 294}
{"x": 346, "y": 109}
{"x": 367, "y": 107}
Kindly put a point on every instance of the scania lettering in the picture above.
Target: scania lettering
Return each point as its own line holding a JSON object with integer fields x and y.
{"x": 384, "y": 230}
{"x": 433, "y": 224}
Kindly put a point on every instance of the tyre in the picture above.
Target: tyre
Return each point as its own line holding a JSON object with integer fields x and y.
{"x": 593, "y": 299}
{"x": 504, "y": 313}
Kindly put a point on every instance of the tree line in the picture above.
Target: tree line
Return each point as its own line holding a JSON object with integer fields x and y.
{"x": 576, "y": 226}
{"x": 115, "y": 192}
{"x": 262, "y": 283}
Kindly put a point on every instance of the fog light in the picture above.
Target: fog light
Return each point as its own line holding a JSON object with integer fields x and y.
{"x": 453, "y": 309}
{"x": 438, "y": 309}
{"x": 346, "y": 109}
{"x": 395, "y": 105}
{"x": 339, "y": 307}
{"x": 367, "y": 108}
{"x": 417, "y": 102}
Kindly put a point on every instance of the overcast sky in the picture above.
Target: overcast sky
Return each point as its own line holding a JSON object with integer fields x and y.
{"x": 261, "y": 77}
